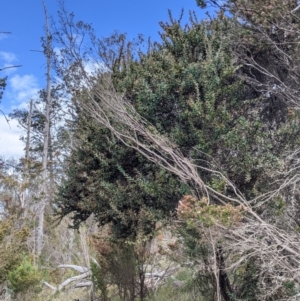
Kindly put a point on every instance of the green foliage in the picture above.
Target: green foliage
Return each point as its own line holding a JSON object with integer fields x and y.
{"x": 218, "y": 184}
{"x": 116, "y": 184}
{"x": 247, "y": 280}
{"x": 56, "y": 140}
{"x": 121, "y": 265}
{"x": 290, "y": 287}
{"x": 24, "y": 276}
{"x": 100, "y": 280}
{"x": 2, "y": 85}
{"x": 201, "y": 3}
{"x": 193, "y": 90}
{"x": 168, "y": 292}
{"x": 188, "y": 87}
{"x": 12, "y": 246}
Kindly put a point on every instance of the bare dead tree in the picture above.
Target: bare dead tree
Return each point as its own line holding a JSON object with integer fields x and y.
{"x": 80, "y": 280}
{"x": 43, "y": 203}
{"x": 26, "y": 165}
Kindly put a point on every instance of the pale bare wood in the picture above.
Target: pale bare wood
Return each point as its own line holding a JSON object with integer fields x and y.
{"x": 77, "y": 268}
{"x": 43, "y": 202}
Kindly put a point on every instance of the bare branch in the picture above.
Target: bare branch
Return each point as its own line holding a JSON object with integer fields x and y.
{"x": 77, "y": 268}
{"x": 17, "y": 66}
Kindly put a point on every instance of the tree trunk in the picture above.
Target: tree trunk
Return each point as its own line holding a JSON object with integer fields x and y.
{"x": 51, "y": 168}
{"x": 26, "y": 163}
{"x": 225, "y": 287}
{"x": 40, "y": 230}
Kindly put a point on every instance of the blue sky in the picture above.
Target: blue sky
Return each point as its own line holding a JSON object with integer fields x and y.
{"x": 25, "y": 19}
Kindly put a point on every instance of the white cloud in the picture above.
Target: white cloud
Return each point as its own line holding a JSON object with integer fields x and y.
{"x": 23, "y": 88}
{"x": 10, "y": 145}
{"x": 20, "y": 90}
{"x": 23, "y": 82}
{"x": 7, "y": 57}
{"x": 93, "y": 67}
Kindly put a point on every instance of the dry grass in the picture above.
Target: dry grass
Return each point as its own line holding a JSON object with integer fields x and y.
{"x": 47, "y": 295}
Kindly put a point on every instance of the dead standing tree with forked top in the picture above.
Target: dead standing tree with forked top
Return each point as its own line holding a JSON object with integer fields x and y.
{"x": 44, "y": 202}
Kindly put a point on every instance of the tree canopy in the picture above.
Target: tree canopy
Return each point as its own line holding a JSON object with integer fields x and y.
{"x": 197, "y": 132}
{"x": 205, "y": 118}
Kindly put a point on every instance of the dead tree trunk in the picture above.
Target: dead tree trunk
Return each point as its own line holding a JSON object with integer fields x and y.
{"x": 43, "y": 203}
{"x": 26, "y": 163}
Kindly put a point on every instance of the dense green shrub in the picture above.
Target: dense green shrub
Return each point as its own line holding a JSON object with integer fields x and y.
{"x": 12, "y": 246}
{"x": 24, "y": 276}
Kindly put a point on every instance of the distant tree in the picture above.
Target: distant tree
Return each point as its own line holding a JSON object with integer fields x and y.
{"x": 2, "y": 85}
